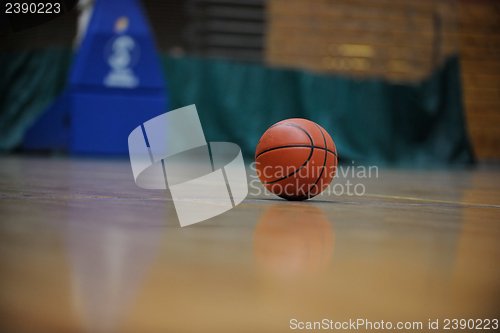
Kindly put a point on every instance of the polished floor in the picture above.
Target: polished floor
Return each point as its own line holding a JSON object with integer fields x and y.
{"x": 83, "y": 249}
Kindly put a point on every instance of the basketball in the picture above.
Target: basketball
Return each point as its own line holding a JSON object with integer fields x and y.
{"x": 296, "y": 159}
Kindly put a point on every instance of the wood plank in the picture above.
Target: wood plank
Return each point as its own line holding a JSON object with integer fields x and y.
{"x": 83, "y": 249}
{"x": 480, "y": 109}
{"x": 485, "y": 67}
{"x": 479, "y": 54}
{"x": 396, "y": 7}
{"x": 386, "y": 52}
{"x": 348, "y": 24}
{"x": 479, "y": 81}
{"x": 485, "y": 95}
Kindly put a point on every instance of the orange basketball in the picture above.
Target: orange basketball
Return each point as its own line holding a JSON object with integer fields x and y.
{"x": 296, "y": 159}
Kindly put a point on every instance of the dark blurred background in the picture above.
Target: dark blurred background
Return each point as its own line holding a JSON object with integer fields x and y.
{"x": 402, "y": 82}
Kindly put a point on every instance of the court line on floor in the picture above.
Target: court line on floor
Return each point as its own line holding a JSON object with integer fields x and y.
{"x": 455, "y": 205}
{"x": 391, "y": 203}
{"x": 431, "y": 200}
{"x": 413, "y": 204}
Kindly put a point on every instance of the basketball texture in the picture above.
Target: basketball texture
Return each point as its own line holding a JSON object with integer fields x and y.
{"x": 296, "y": 159}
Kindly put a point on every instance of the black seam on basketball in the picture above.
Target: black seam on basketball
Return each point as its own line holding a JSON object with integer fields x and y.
{"x": 294, "y": 146}
{"x": 275, "y": 125}
{"x": 305, "y": 163}
{"x": 322, "y": 170}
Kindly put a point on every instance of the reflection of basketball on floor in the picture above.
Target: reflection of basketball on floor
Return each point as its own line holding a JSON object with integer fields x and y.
{"x": 293, "y": 240}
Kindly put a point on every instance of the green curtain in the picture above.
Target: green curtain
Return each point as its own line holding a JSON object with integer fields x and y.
{"x": 29, "y": 82}
{"x": 370, "y": 120}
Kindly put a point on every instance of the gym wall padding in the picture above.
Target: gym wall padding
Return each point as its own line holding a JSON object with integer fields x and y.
{"x": 370, "y": 120}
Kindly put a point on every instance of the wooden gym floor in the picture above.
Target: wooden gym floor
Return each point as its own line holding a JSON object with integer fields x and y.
{"x": 83, "y": 249}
